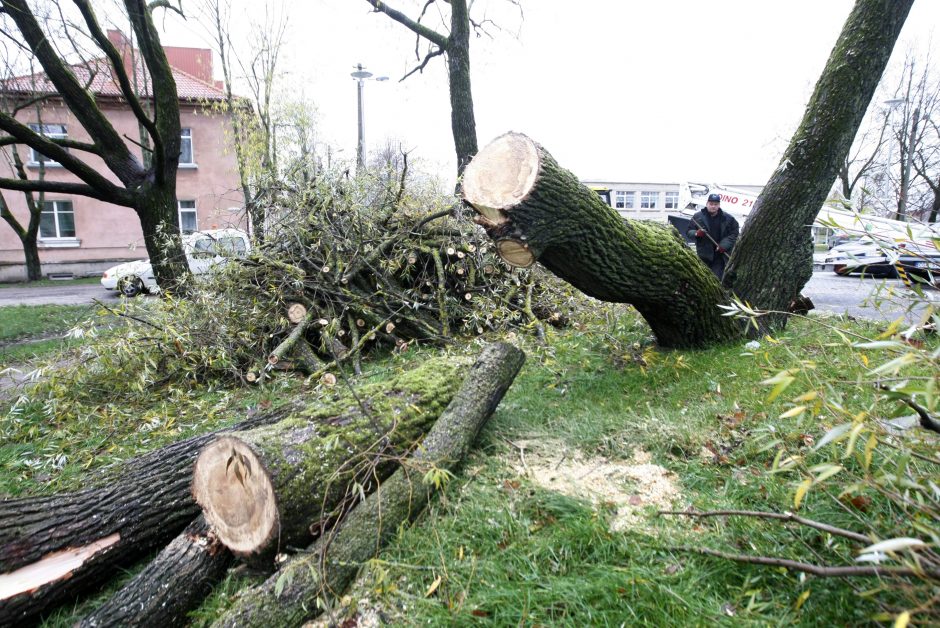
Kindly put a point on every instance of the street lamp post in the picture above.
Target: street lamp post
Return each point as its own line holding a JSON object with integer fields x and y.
{"x": 362, "y": 75}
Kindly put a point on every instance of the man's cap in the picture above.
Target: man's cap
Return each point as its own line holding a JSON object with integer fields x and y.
{"x": 714, "y": 197}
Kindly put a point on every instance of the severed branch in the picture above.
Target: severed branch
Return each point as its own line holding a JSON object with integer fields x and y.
{"x": 433, "y": 53}
{"x": 781, "y": 516}
{"x": 823, "y": 571}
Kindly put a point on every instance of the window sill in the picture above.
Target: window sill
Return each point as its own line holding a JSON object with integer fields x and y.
{"x": 59, "y": 243}
{"x": 187, "y": 166}
{"x": 48, "y": 164}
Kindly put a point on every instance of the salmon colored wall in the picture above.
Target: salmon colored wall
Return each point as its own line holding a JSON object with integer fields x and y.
{"x": 110, "y": 233}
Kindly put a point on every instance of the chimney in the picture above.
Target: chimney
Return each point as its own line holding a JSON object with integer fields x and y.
{"x": 194, "y": 61}
{"x": 124, "y": 46}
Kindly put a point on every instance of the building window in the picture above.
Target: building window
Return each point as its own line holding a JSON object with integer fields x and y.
{"x": 186, "y": 147}
{"x": 649, "y": 200}
{"x": 672, "y": 200}
{"x": 57, "y": 220}
{"x": 188, "y": 222}
{"x": 623, "y": 200}
{"x": 53, "y": 132}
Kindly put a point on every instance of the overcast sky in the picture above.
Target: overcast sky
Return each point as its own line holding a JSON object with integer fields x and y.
{"x": 621, "y": 90}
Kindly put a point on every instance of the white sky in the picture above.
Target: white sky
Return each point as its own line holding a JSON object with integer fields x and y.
{"x": 622, "y": 90}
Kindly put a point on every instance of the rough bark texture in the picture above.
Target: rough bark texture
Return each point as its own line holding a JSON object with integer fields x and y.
{"x": 146, "y": 503}
{"x": 523, "y": 195}
{"x": 772, "y": 260}
{"x": 290, "y": 597}
{"x": 274, "y": 487}
{"x": 462, "y": 122}
{"x": 174, "y": 583}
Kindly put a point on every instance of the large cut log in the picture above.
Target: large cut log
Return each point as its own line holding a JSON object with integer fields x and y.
{"x": 290, "y": 597}
{"x": 53, "y": 548}
{"x": 174, "y": 583}
{"x": 273, "y": 488}
{"x": 536, "y": 211}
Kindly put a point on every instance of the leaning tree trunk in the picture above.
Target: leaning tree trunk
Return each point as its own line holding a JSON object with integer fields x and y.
{"x": 53, "y": 548}
{"x": 290, "y": 597}
{"x": 174, "y": 583}
{"x": 278, "y": 486}
{"x": 772, "y": 261}
{"x": 536, "y": 211}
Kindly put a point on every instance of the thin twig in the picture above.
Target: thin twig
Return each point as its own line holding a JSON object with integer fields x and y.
{"x": 823, "y": 571}
{"x": 782, "y": 516}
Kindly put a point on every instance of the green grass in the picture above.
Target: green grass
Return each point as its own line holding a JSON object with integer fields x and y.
{"x": 24, "y": 321}
{"x": 28, "y": 332}
{"x": 505, "y": 551}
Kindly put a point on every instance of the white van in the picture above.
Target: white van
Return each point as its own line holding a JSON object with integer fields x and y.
{"x": 204, "y": 250}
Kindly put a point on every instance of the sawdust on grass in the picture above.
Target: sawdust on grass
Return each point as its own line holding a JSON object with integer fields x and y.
{"x": 631, "y": 488}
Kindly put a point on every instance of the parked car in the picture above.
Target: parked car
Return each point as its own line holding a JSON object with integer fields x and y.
{"x": 862, "y": 256}
{"x": 204, "y": 251}
{"x": 882, "y": 259}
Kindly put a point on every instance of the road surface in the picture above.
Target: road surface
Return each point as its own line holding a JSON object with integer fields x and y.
{"x": 66, "y": 294}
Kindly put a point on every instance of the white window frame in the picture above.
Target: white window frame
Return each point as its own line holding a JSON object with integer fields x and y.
{"x": 671, "y": 200}
{"x": 187, "y": 206}
{"x": 57, "y": 209}
{"x": 186, "y": 137}
{"x": 649, "y": 200}
{"x": 624, "y": 199}
{"x": 51, "y": 131}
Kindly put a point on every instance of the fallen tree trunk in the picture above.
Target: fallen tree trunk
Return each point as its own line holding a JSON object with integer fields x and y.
{"x": 289, "y": 597}
{"x": 536, "y": 211}
{"x": 174, "y": 583}
{"x": 95, "y": 530}
{"x": 276, "y": 486}
{"x": 53, "y": 548}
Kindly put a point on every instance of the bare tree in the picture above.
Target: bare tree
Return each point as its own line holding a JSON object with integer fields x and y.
{"x": 149, "y": 187}
{"x": 915, "y": 98}
{"x": 454, "y": 44}
{"x": 254, "y": 119}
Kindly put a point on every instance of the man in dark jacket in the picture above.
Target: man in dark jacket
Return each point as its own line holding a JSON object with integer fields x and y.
{"x": 715, "y": 233}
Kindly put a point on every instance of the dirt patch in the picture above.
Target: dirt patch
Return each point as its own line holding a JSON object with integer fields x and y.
{"x": 630, "y": 487}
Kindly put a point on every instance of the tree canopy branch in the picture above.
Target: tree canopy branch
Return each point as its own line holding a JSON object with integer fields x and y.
{"x": 117, "y": 64}
{"x": 117, "y": 195}
{"x": 417, "y": 28}
{"x": 114, "y": 151}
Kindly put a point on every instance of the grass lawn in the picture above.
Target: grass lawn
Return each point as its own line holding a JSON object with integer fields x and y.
{"x": 552, "y": 520}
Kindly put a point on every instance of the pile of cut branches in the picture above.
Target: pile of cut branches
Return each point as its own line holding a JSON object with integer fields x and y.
{"x": 348, "y": 267}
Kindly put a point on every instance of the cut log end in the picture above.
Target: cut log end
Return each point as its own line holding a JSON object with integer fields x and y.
{"x": 236, "y": 495}
{"x": 515, "y": 253}
{"x": 296, "y": 313}
{"x": 501, "y": 175}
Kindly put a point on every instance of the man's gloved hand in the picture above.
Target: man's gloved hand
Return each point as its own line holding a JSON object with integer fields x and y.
{"x": 700, "y": 233}
{"x": 721, "y": 250}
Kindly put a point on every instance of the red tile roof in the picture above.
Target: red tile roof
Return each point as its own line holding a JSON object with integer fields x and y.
{"x": 97, "y": 74}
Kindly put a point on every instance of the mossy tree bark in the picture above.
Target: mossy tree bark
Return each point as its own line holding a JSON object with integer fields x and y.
{"x": 772, "y": 261}
{"x": 537, "y": 211}
{"x": 276, "y": 487}
{"x": 126, "y": 515}
{"x": 174, "y": 583}
{"x": 290, "y": 597}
